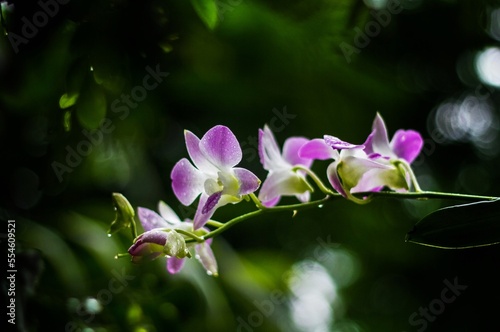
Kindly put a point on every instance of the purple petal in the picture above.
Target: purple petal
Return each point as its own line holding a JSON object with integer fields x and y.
{"x": 334, "y": 179}
{"x": 338, "y": 144}
{"x": 368, "y": 144}
{"x": 272, "y": 202}
{"x": 269, "y": 151}
{"x": 193, "y": 148}
{"x": 211, "y": 202}
{"x": 187, "y": 181}
{"x": 291, "y": 152}
{"x": 378, "y": 142}
{"x": 168, "y": 214}
{"x": 150, "y": 219}
{"x": 407, "y": 144}
{"x": 154, "y": 236}
{"x": 200, "y": 218}
{"x": 150, "y": 244}
{"x": 248, "y": 181}
{"x": 206, "y": 256}
{"x": 175, "y": 264}
{"x": 317, "y": 149}
{"x": 220, "y": 147}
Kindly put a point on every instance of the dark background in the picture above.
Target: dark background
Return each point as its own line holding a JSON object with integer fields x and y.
{"x": 422, "y": 70}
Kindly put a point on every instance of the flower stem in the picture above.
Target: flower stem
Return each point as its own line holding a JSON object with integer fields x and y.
{"x": 214, "y": 223}
{"x": 291, "y": 207}
{"x": 413, "y": 178}
{"x": 316, "y": 180}
{"x": 122, "y": 255}
{"x": 422, "y": 195}
{"x": 192, "y": 235}
{"x": 257, "y": 201}
{"x": 133, "y": 228}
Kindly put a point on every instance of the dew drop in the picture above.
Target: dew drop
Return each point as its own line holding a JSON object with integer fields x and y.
{"x": 209, "y": 273}
{"x": 116, "y": 256}
{"x": 320, "y": 206}
{"x": 109, "y": 235}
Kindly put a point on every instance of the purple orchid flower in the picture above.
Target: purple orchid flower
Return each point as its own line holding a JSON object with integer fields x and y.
{"x": 160, "y": 239}
{"x": 282, "y": 180}
{"x": 213, "y": 176}
{"x": 367, "y": 167}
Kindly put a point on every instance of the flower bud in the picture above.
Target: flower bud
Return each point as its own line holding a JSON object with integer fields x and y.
{"x": 155, "y": 243}
{"x": 175, "y": 246}
{"x": 149, "y": 244}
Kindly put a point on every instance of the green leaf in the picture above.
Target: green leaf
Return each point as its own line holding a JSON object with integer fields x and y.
{"x": 460, "y": 226}
{"x": 68, "y": 100}
{"x": 207, "y": 11}
{"x": 124, "y": 215}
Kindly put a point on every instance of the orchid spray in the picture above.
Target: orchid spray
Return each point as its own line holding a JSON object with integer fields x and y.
{"x": 357, "y": 172}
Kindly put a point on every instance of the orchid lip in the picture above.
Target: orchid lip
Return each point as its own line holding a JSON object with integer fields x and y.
{"x": 211, "y": 202}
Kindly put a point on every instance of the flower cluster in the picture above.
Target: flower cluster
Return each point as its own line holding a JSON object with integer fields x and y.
{"x": 371, "y": 166}
{"x": 212, "y": 176}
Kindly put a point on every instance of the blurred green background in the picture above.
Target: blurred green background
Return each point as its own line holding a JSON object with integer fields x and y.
{"x": 433, "y": 66}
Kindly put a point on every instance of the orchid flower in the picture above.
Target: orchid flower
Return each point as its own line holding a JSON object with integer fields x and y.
{"x": 355, "y": 171}
{"x": 371, "y": 166}
{"x": 161, "y": 239}
{"x": 282, "y": 180}
{"x": 213, "y": 176}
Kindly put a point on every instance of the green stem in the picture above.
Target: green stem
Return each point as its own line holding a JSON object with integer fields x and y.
{"x": 324, "y": 189}
{"x": 413, "y": 178}
{"x": 291, "y": 207}
{"x": 428, "y": 195}
{"x": 214, "y": 223}
{"x": 122, "y": 255}
{"x": 192, "y": 235}
{"x": 422, "y": 195}
{"x": 133, "y": 228}
{"x": 296, "y": 207}
{"x": 257, "y": 201}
